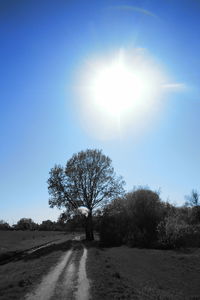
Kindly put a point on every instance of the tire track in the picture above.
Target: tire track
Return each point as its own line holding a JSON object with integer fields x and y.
{"x": 67, "y": 280}
{"x": 46, "y": 288}
{"x": 83, "y": 282}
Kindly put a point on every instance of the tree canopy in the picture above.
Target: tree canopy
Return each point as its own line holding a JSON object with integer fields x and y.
{"x": 88, "y": 180}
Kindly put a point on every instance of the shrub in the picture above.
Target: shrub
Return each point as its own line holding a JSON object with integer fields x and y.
{"x": 110, "y": 232}
{"x": 144, "y": 213}
{"x": 174, "y": 232}
{"x": 4, "y": 225}
{"x": 140, "y": 219}
{"x": 26, "y": 224}
{"x": 132, "y": 220}
{"x": 113, "y": 224}
{"x": 195, "y": 215}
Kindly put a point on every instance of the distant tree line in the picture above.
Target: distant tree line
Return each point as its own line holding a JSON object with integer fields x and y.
{"x": 65, "y": 222}
{"x": 29, "y": 224}
{"x": 68, "y": 223}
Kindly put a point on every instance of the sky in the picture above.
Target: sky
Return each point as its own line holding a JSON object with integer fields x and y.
{"x": 52, "y": 52}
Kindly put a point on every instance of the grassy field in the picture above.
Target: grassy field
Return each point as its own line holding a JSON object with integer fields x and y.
{"x": 114, "y": 273}
{"x": 127, "y": 273}
{"x": 18, "y": 277}
{"x": 21, "y": 240}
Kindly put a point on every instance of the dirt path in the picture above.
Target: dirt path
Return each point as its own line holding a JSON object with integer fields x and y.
{"x": 67, "y": 280}
{"x": 83, "y": 283}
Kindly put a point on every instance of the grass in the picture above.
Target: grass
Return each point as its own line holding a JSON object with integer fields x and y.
{"x": 127, "y": 273}
{"x": 19, "y": 277}
{"x": 114, "y": 273}
{"x": 21, "y": 240}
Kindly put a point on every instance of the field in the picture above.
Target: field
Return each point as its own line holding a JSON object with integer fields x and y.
{"x": 18, "y": 276}
{"x": 113, "y": 273}
{"x": 22, "y": 240}
{"x": 130, "y": 273}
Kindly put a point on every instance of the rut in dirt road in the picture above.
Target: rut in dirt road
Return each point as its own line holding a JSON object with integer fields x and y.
{"x": 67, "y": 280}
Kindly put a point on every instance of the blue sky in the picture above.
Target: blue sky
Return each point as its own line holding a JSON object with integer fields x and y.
{"x": 45, "y": 45}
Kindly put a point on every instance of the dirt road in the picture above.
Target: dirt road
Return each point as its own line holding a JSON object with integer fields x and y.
{"x": 67, "y": 280}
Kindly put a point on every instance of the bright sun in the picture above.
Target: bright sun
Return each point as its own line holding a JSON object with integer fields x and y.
{"x": 118, "y": 91}
{"x": 117, "y": 87}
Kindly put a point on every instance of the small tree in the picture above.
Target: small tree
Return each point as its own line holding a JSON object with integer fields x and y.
{"x": 193, "y": 199}
{"x": 87, "y": 180}
{"x": 193, "y": 203}
{"x": 4, "y": 225}
{"x": 144, "y": 212}
{"x": 113, "y": 223}
{"x": 47, "y": 225}
{"x": 26, "y": 224}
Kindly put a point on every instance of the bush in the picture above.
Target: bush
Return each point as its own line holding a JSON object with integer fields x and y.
{"x": 174, "y": 233}
{"x": 110, "y": 232}
{"x": 113, "y": 224}
{"x": 140, "y": 219}
{"x": 4, "y": 225}
{"x": 195, "y": 215}
{"x": 47, "y": 225}
{"x": 26, "y": 224}
{"x": 132, "y": 220}
{"x": 144, "y": 213}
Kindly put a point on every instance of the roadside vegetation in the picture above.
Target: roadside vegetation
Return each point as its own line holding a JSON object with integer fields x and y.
{"x": 142, "y": 219}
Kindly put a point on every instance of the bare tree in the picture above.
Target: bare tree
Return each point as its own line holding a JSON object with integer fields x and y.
{"x": 193, "y": 199}
{"x": 87, "y": 180}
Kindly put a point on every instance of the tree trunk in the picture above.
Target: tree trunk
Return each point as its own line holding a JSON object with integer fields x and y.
{"x": 89, "y": 228}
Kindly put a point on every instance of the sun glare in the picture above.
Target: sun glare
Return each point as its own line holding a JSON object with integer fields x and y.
{"x": 120, "y": 88}
{"x": 115, "y": 88}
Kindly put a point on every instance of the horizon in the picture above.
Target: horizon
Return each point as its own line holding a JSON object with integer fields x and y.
{"x": 121, "y": 77}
